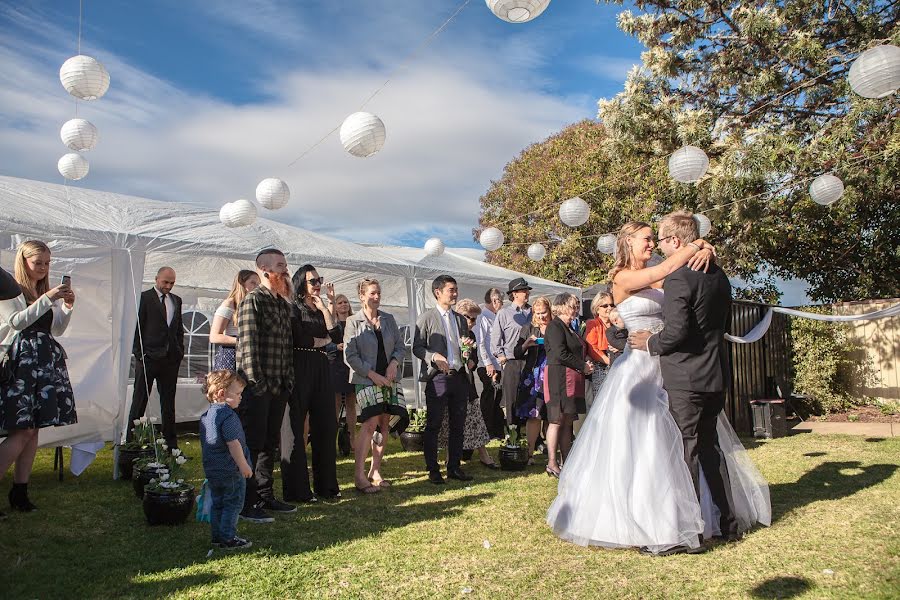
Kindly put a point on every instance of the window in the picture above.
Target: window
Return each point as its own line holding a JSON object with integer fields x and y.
{"x": 196, "y": 361}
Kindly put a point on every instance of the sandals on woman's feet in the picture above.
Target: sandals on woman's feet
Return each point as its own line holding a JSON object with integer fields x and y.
{"x": 381, "y": 483}
{"x": 372, "y": 489}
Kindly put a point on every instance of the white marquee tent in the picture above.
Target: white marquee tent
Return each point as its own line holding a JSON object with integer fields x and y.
{"x": 112, "y": 246}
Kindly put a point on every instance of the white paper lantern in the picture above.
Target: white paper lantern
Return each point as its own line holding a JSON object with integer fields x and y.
{"x": 362, "y": 134}
{"x": 78, "y": 134}
{"x": 574, "y": 212}
{"x": 606, "y": 243}
{"x": 703, "y": 224}
{"x": 272, "y": 193}
{"x": 491, "y": 239}
{"x": 876, "y": 72}
{"x": 73, "y": 166}
{"x": 225, "y": 215}
{"x": 688, "y": 164}
{"x": 434, "y": 247}
{"x": 84, "y": 77}
{"x": 242, "y": 213}
{"x": 517, "y": 11}
{"x": 826, "y": 189}
{"x": 537, "y": 252}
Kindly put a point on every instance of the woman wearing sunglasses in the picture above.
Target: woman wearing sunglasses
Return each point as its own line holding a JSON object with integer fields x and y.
{"x": 595, "y": 335}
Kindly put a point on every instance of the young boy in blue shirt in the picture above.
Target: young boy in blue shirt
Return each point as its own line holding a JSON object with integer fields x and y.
{"x": 226, "y": 458}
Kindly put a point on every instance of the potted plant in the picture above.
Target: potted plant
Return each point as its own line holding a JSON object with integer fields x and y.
{"x": 168, "y": 499}
{"x": 413, "y": 439}
{"x": 141, "y": 446}
{"x": 150, "y": 467}
{"x": 513, "y": 450}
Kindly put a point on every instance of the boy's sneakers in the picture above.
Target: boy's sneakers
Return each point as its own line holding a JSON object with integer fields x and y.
{"x": 235, "y": 543}
{"x": 255, "y": 514}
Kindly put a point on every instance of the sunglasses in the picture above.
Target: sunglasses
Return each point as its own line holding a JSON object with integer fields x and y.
{"x": 606, "y": 306}
{"x": 316, "y": 281}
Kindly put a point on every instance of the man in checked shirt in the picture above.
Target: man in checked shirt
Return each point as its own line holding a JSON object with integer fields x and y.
{"x": 265, "y": 355}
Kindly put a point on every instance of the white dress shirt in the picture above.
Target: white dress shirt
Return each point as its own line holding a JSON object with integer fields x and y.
{"x": 170, "y": 304}
{"x": 483, "y": 337}
{"x": 452, "y": 333}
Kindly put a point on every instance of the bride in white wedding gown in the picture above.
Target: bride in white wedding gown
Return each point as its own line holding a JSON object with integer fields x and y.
{"x": 625, "y": 482}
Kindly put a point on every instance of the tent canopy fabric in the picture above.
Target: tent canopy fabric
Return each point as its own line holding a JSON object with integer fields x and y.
{"x": 113, "y": 244}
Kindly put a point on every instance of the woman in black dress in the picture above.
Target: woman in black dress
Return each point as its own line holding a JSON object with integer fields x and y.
{"x": 344, "y": 391}
{"x": 530, "y": 405}
{"x": 36, "y": 391}
{"x": 313, "y": 328}
{"x": 566, "y": 369}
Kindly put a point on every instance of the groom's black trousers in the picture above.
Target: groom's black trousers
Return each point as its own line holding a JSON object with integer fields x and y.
{"x": 696, "y": 414}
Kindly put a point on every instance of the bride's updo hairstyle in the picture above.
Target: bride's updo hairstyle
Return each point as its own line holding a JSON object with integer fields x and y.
{"x": 624, "y": 258}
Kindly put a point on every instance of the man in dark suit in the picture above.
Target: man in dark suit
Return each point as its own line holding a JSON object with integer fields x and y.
{"x": 694, "y": 362}
{"x": 158, "y": 350}
{"x": 440, "y": 333}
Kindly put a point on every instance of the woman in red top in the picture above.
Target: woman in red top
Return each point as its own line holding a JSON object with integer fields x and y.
{"x": 595, "y": 335}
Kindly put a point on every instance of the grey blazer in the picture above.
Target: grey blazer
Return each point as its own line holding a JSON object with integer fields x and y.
{"x": 361, "y": 345}
{"x": 430, "y": 338}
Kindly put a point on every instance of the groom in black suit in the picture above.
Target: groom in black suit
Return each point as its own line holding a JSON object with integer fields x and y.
{"x": 694, "y": 362}
{"x": 158, "y": 350}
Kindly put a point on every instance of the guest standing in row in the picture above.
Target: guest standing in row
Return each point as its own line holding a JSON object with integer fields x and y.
{"x": 504, "y": 334}
{"x": 491, "y": 401}
{"x": 37, "y": 392}
{"x": 531, "y": 349}
{"x": 374, "y": 350}
{"x": 158, "y": 350}
{"x": 566, "y": 370}
{"x": 344, "y": 390}
{"x": 313, "y": 328}
{"x": 224, "y": 328}
{"x": 264, "y": 355}
{"x": 439, "y": 334}
{"x": 595, "y": 336}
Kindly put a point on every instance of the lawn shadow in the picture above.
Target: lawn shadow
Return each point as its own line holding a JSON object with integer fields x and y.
{"x": 781, "y": 587}
{"x": 826, "y": 482}
{"x": 171, "y": 585}
{"x": 814, "y": 454}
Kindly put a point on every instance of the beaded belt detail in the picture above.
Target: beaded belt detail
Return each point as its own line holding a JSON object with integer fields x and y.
{"x": 319, "y": 350}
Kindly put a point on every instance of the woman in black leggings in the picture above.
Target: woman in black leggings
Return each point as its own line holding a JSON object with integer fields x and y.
{"x": 313, "y": 328}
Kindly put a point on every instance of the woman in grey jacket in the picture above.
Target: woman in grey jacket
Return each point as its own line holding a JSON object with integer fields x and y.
{"x": 374, "y": 351}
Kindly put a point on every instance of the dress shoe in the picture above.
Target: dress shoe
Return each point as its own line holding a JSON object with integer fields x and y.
{"x": 435, "y": 478}
{"x": 18, "y": 498}
{"x": 675, "y": 550}
{"x": 458, "y": 474}
{"x": 491, "y": 465}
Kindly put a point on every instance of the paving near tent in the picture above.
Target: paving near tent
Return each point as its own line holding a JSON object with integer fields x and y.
{"x": 835, "y": 534}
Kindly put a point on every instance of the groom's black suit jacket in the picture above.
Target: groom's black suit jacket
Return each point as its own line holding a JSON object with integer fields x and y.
{"x": 691, "y": 346}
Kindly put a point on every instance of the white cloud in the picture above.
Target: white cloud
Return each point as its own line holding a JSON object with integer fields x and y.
{"x": 452, "y": 123}
{"x": 608, "y": 67}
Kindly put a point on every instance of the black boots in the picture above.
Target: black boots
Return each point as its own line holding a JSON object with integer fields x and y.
{"x": 18, "y": 498}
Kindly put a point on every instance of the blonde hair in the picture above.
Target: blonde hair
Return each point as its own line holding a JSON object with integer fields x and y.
{"x": 468, "y": 308}
{"x": 543, "y": 301}
{"x": 615, "y": 316}
{"x": 238, "y": 292}
{"x": 338, "y": 299}
{"x": 680, "y": 224}
{"x": 598, "y": 299}
{"x": 30, "y": 288}
{"x": 363, "y": 286}
{"x": 220, "y": 380}
{"x": 624, "y": 257}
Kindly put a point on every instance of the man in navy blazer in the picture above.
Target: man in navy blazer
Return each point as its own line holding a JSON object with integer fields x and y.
{"x": 158, "y": 350}
{"x": 440, "y": 334}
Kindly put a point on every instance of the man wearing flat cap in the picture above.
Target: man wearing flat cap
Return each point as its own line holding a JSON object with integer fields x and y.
{"x": 504, "y": 334}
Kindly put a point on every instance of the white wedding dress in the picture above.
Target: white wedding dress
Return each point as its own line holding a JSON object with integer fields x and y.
{"x": 625, "y": 482}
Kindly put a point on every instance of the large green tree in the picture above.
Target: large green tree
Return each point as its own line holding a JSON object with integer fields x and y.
{"x": 762, "y": 87}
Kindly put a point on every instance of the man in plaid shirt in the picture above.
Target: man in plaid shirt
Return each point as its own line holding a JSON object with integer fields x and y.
{"x": 265, "y": 355}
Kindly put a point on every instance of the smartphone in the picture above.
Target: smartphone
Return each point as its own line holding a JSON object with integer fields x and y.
{"x": 539, "y": 340}
{"x": 66, "y": 280}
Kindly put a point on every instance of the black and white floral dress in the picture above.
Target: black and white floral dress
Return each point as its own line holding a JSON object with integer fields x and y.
{"x": 40, "y": 393}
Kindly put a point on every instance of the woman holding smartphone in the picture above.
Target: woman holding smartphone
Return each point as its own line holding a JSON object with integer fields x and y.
{"x": 530, "y": 348}
{"x": 37, "y": 392}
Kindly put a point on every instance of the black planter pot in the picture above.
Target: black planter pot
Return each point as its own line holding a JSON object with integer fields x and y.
{"x": 142, "y": 476}
{"x": 127, "y": 457}
{"x": 413, "y": 441}
{"x": 171, "y": 508}
{"x": 513, "y": 459}
{"x": 467, "y": 455}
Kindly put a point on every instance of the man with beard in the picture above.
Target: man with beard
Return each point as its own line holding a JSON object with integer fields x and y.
{"x": 265, "y": 355}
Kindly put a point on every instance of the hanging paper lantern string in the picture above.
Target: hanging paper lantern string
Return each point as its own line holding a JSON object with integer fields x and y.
{"x": 243, "y": 213}
{"x": 688, "y": 164}
{"x": 272, "y": 193}
{"x": 517, "y": 11}
{"x": 225, "y": 215}
{"x": 826, "y": 189}
{"x": 876, "y": 72}
{"x": 78, "y": 135}
{"x": 433, "y": 247}
{"x": 491, "y": 239}
{"x": 574, "y": 212}
{"x": 703, "y": 224}
{"x": 84, "y": 77}
{"x": 537, "y": 252}
{"x": 73, "y": 166}
{"x": 362, "y": 134}
{"x": 606, "y": 243}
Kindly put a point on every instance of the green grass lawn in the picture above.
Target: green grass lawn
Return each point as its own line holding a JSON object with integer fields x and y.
{"x": 836, "y": 534}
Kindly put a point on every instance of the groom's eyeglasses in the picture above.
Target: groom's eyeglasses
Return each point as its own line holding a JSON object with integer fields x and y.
{"x": 668, "y": 237}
